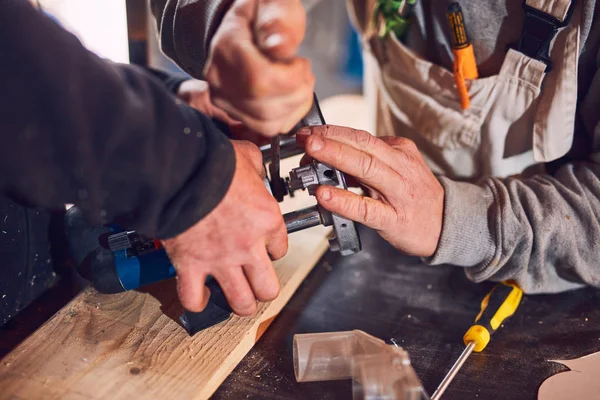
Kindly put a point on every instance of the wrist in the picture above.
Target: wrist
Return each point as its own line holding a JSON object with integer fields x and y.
{"x": 465, "y": 235}
{"x": 435, "y": 228}
{"x": 218, "y": 15}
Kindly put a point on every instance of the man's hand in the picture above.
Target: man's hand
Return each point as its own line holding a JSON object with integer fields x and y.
{"x": 253, "y": 71}
{"x": 196, "y": 94}
{"x": 233, "y": 242}
{"x": 406, "y": 201}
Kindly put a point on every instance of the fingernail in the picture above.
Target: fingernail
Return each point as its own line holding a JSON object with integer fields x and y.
{"x": 325, "y": 194}
{"x": 272, "y": 41}
{"x": 316, "y": 143}
{"x": 303, "y": 132}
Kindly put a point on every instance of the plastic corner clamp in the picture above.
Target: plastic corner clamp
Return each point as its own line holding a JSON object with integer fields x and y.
{"x": 378, "y": 370}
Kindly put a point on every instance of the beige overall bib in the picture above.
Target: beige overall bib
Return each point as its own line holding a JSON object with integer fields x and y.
{"x": 518, "y": 119}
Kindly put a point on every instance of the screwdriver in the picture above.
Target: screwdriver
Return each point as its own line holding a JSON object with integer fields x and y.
{"x": 499, "y": 304}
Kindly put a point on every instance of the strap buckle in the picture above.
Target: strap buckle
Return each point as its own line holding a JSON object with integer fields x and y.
{"x": 538, "y": 32}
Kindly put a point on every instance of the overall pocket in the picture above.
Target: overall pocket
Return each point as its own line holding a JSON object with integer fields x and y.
{"x": 418, "y": 99}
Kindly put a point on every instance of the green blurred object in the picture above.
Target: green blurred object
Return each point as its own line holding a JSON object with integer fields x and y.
{"x": 394, "y": 16}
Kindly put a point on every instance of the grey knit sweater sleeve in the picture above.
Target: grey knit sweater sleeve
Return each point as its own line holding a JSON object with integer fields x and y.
{"x": 544, "y": 232}
{"x": 186, "y": 28}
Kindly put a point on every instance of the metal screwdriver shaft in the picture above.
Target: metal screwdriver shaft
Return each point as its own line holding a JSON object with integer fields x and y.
{"x": 453, "y": 371}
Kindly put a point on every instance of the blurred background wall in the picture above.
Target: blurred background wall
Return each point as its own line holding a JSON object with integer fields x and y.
{"x": 330, "y": 44}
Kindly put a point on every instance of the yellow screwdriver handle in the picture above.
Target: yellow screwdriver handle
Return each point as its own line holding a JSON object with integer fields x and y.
{"x": 499, "y": 304}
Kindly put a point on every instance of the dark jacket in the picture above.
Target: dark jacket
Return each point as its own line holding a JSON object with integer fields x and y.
{"x": 110, "y": 138}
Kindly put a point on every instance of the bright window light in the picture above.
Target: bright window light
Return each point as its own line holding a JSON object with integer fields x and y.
{"x": 101, "y": 25}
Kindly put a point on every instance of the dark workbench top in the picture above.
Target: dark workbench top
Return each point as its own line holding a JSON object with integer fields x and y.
{"x": 426, "y": 310}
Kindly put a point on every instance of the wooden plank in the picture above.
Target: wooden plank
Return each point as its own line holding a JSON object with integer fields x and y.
{"x": 130, "y": 346}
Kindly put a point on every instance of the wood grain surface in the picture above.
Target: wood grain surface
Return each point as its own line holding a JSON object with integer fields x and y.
{"x": 130, "y": 345}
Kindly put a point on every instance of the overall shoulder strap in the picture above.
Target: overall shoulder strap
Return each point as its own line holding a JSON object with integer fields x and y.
{"x": 559, "y": 9}
{"x": 543, "y": 20}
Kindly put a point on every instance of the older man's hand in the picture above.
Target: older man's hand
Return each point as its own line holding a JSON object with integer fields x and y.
{"x": 406, "y": 201}
{"x": 196, "y": 94}
{"x": 253, "y": 70}
{"x": 234, "y": 243}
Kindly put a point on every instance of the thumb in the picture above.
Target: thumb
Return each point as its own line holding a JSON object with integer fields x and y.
{"x": 279, "y": 28}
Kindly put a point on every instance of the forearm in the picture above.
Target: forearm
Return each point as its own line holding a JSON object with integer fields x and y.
{"x": 186, "y": 30}
{"x": 542, "y": 232}
{"x": 109, "y": 138}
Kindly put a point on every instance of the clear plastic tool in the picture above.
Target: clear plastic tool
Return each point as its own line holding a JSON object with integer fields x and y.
{"x": 378, "y": 371}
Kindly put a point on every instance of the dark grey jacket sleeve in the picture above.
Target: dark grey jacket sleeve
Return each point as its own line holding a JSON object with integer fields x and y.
{"x": 110, "y": 138}
{"x": 544, "y": 232}
{"x": 186, "y": 27}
